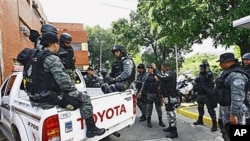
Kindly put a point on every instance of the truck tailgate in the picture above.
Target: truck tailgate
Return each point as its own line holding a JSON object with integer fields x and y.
{"x": 112, "y": 111}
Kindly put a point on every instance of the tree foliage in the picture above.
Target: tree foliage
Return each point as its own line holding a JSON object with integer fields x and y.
{"x": 191, "y": 21}
{"x": 100, "y": 39}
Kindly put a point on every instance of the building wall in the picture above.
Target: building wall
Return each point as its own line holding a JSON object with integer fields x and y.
{"x": 25, "y": 13}
{"x": 14, "y": 13}
{"x": 79, "y": 41}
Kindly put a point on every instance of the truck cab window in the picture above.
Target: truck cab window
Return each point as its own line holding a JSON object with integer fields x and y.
{"x": 9, "y": 85}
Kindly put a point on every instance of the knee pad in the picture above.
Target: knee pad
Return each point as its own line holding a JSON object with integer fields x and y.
{"x": 122, "y": 86}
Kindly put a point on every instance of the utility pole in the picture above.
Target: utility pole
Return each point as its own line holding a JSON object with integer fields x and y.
{"x": 176, "y": 59}
{"x": 100, "y": 57}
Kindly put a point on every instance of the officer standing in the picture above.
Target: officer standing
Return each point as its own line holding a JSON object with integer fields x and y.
{"x": 141, "y": 99}
{"x": 246, "y": 66}
{"x": 168, "y": 89}
{"x": 47, "y": 82}
{"x": 122, "y": 71}
{"x": 66, "y": 53}
{"x": 36, "y": 37}
{"x": 150, "y": 86}
{"x": 203, "y": 86}
{"x": 91, "y": 80}
{"x": 231, "y": 92}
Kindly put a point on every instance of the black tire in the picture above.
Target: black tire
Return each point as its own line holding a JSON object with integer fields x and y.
{"x": 16, "y": 134}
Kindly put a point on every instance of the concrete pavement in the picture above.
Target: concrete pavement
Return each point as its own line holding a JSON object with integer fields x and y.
{"x": 190, "y": 110}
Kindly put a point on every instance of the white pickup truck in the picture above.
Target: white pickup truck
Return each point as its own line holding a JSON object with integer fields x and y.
{"x": 113, "y": 111}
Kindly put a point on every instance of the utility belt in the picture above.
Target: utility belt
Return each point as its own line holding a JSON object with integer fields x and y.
{"x": 38, "y": 95}
{"x": 152, "y": 92}
{"x": 45, "y": 97}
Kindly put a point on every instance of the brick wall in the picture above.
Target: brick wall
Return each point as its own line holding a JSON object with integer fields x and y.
{"x": 12, "y": 13}
{"x": 12, "y": 40}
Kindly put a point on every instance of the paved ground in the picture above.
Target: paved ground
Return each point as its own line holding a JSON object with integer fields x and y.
{"x": 190, "y": 110}
{"x": 186, "y": 130}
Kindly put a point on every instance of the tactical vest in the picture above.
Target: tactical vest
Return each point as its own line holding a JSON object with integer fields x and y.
{"x": 139, "y": 79}
{"x": 117, "y": 69}
{"x": 169, "y": 88}
{"x": 151, "y": 84}
{"x": 92, "y": 82}
{"x": 223, "y": 92}
{"x": 67, "y": 56}
{"x": 37, "y": 80}
{"x": 203, "y": 84}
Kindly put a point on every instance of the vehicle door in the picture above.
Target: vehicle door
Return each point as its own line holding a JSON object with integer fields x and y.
{"x": 5, "y": 107}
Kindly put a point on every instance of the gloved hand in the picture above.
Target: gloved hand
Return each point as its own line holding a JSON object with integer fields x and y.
{"x": 110, "y": 80}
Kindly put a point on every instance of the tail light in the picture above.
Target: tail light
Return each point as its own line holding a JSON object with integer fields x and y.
{"x": 51, "y": 129}
{"x": 134, "y": 104}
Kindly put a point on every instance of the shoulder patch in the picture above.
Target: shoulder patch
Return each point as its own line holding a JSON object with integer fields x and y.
{"x": 238, "y": 82}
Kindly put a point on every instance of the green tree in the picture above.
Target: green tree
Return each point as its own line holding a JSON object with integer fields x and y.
{"x": 189, "y": 22}
{"x": 100, "y": 39}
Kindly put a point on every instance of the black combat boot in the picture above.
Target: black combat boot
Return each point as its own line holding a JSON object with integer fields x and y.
{"x": 247, "y": 121}
{"x": 167, "y": 129}
{"x": 172, "y": 133}
{"x": 214, "y": 126}
{"x": 92, "y": 130}
{"x": 199, "y": 121}
{"x": 149, "y": 122}
{"x": 143, "y": 118}
{"x": 161, "y": 122}
{"x": 220, "y": 123}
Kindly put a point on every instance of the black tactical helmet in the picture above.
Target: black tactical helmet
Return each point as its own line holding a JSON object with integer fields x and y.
{"x": 48, "y": 28}
{"x": 140, "y": 66}
{"x": 246, "y": 56}
{"x": 121, "y": 48}
{"x": 65, "y": 37}
{"x": 203, "y": 65}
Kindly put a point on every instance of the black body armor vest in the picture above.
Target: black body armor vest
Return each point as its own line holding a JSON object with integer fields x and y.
{"x": 67, "y": 56}
{"x": 37, "y": 80}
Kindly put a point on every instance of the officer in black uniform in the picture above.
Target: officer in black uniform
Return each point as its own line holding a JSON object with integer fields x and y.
{"x": 141, "y": 99}
{"x": 66, "y": 53}
{"x": 167, "y": 78}
{"x": 36, "y": 37}
{"x": 203, "y": 86}
{"x": 91, "y": 80}
{"x": 246, "y": 66}
{"x": 122, "y": 71}
{"x": 150, "y": 87}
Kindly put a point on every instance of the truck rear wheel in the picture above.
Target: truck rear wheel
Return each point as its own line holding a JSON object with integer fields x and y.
{"x": 16, "y": 134}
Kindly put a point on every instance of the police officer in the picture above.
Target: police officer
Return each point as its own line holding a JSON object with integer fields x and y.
{"x": 168, "y": 89}
{"x": 150, "y": 86}
{"x": 231, "y": 92}
{"x": 36, "y": 37}
{"x": 47, "y": 82}
{"x": 122, "y": 71}
{"x": 203, "y": 86}
{"x": 66, "y": 53}
{"x": 91, "y": 80}
{"x": 141, "y": 99}
{"x": 246, "y": 66}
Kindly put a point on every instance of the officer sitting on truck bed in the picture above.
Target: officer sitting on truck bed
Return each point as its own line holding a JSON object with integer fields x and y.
{"x": 47, "y": 82}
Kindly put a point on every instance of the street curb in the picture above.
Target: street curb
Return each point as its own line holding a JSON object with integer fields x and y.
{"x": 184, "y": 111}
